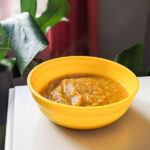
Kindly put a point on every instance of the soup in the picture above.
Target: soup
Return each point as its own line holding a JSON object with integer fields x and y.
{"x": 84, "y": 90}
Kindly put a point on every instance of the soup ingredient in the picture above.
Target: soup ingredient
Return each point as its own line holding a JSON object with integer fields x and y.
{"x": 84, "y": 90}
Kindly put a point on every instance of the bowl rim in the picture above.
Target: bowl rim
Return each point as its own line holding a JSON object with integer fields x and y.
{"x": 79, "y": 107}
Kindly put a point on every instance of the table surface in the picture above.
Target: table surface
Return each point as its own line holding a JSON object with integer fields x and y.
{"x": 33, "y": 131}
{"x": 30, "y": 129}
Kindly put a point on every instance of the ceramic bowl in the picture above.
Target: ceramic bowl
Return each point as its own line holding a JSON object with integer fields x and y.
{"x": 78, "y": 117}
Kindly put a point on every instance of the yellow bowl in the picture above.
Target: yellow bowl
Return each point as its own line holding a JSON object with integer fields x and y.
{"x": 77, "y": 117}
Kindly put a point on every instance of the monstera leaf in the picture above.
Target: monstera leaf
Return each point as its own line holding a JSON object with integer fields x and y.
{"x": 26, "y": 38}
{"x": 132, "y": 58}
{"x": 55, "y": 11}
{"x": 29, "y": 6}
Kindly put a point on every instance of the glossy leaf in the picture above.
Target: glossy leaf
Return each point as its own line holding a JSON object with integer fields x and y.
{"x": 2, "y": 54}
{"x": 25, "y": 37}
{"x": 132, "y": 58}
{"x": 29, "y": 6}
{"x": 4, "y": 43}
{"x": 55, "y": 11}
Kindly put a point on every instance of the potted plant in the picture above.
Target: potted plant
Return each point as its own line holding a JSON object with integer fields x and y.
{"x": 54, "y": 12}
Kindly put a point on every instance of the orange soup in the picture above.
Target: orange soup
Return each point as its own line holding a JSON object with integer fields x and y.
{"x": 84, "y": 90}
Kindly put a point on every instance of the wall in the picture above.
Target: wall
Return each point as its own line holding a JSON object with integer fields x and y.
{"x": 123, "y": 23}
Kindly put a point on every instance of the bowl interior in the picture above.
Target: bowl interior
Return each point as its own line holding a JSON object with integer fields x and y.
{"x": 47, "y": 71}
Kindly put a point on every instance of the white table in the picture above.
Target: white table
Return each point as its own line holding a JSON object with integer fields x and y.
{"x": 29, "y": 129}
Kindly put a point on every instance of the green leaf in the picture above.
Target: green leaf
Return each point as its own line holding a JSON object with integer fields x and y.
{"x": 4, "y": 43}
{"x": 55, "y": 11}
{"x": 25, "y": 37}
{"x": 9, "y": 63}
{"x": 132, "y": 58}
{"x": 2, "y": 54}
{"x": 29, "y": 6}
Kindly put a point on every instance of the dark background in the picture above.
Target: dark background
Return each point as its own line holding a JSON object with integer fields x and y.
{"x": 123, "y": 23}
